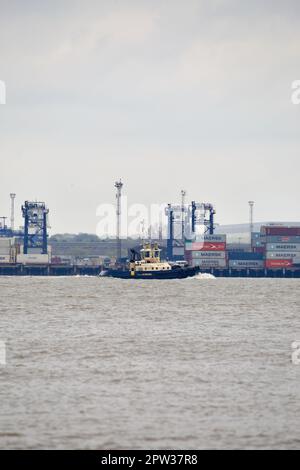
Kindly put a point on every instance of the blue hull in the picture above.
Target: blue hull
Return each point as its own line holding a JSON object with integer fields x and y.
{"x": 180, "y": 273}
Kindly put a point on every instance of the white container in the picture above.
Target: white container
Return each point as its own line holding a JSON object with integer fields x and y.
{"x": 5, "y": 259}
{"x": 32, "y": 259}
{"x": 6, "y": 241}
{"x": 283, "y": 247}
{"x": 246, "y": 264}
{"x": 209, "y": 263}
{"x": 208, "y": 254}
{"x": 283, "y": 255}
{"x": 5, "y": 250}
{"x": 211, "y": 238}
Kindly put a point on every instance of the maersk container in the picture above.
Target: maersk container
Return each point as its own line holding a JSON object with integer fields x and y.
{"x": 208, "y": 254}
{"x": 216, "y": 238}
{"x": 294, "y": 255}
{"x": 214, "y": 246}
{"x": 246, "y": 264}
{"x": 283, "y": 247}
{"x": 245, "y": 256}
{"x": 209, "y": 263}
{"x": 205, "y": 246}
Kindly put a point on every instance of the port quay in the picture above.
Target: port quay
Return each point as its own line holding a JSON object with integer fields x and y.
{"x": 273, "y": 251}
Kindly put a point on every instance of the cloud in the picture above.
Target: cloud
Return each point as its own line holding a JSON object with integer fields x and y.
{"x": 182, "y": 88}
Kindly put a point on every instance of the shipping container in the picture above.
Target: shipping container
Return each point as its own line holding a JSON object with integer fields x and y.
{"x": 257, "y": 239}
{"x": 283, "y": 255}
{"x": 279, "y": 263}
{"x": 246, "y": 256}
{"x": 214, "y": 246}
{"x": 5, "y": 250}
{"x": 209, "y": 263}
{"x": 280, "y": 231}
{"x": 6, "y": 241}
{"x": 246, "y": 264}
{"x": 283, "y": 247}
{"x": 207, "y": 254}
{"x": 216, "y": 238}
{"x": 32, "y": 259}
{"x": 205, "y": 246}
{"x": 5, "y": 259}
{"x": 239, "y": 247}
{"x": 282, "y": 239}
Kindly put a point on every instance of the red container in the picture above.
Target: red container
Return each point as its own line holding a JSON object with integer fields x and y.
{"x": 214, "y": 246}
{"x": 281, "y": 231}
{"x": 279, "y": 263}
{"x": 208, "y": 246}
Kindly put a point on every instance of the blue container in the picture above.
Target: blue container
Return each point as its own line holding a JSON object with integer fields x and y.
{"x": 244, "y": 256}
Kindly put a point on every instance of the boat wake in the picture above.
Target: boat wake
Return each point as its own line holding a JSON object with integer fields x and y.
{"x": 204, "y": 276}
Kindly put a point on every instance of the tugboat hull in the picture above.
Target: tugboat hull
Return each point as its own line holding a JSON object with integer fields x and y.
{"x": 181, "y": 273}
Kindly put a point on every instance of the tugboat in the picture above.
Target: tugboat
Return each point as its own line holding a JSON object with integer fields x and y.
{"x": 148, "y": 265}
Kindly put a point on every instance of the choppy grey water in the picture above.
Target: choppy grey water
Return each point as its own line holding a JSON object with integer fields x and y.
{"x": 97, "y": 363}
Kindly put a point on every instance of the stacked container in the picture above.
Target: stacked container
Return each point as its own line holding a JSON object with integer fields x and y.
{"x": 241, "y": 261}
{"x": 207, "y": 252}
{"x": 7, "y": 250}
{"x": 258, "y": 242}
{"x": 282, "y": 247}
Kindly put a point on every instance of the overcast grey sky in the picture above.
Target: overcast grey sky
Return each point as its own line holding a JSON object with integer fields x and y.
{"x": 167, "y": 94}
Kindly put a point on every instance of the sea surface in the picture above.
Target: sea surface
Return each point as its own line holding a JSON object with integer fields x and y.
{"x": 98, "y": 363}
